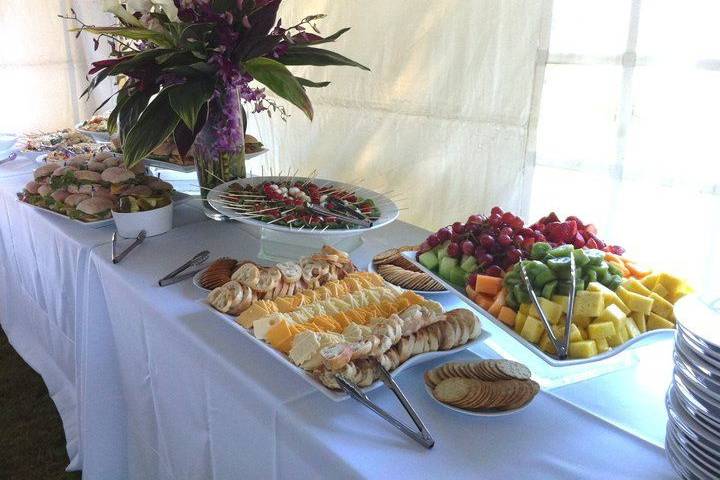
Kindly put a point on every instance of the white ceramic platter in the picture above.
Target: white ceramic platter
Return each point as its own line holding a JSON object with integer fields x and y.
{"x": 555, "y": 362}
{"x": 337, "y": 396}
{"x": 100, "y": 137}
{"x": 178, "y": 198}
{"x": 388, "y": 210}
{"x": 487, "y": 413}
{"x": 371, "y": 268}
{"x": 165, "y": 165}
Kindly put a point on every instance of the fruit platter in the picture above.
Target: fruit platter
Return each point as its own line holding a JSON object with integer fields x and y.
{"x": 96, "y": 127}
{"x": 302, "y": 205}
{"x": 53, "y": 140}
{"x": 320, "y": 317}
{"x": 617, "y": 302}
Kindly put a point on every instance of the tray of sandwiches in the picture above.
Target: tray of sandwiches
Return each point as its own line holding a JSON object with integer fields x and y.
{"x": 324, "y": 319}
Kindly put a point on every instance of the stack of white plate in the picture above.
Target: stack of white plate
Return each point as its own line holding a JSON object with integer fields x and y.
{"x": 693, "y": 401}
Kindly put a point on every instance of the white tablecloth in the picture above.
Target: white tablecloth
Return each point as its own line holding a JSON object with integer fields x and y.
{"x": 196, "y": 399}
{"x": 43, "y": 277}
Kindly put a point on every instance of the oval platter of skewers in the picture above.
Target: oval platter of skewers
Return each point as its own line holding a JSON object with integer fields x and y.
{"x": 303, "y": 205}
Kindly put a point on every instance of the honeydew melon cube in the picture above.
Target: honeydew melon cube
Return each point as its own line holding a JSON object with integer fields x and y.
{"x": 602, "y": 345}
{"x": 655, "y": 321}
{"x": 601, "y": 330}
{"x": 639, "y": 319}
{"x": 611, "y": 313}
{"x": 661, "y": 306}
{"x": 632, "y": 329}
{"x": 561, "y": 300}
{"x": 552, "y": 310}
{"x": 524, "y": 308}
{"x": 588, "y": 304}
{"x": 583, "y": 349}
{"x": 609, "y": 297}
{"x": 520, "y": 321}
{"x": 532, "y": 330}
{"x": 650, "y": 280}
{"x": 661, "y": 290}
{"x": 634, "y": 285}
{"x": 635, "y": 302}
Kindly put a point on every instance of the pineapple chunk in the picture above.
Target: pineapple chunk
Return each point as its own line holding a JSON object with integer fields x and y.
{"x": 584, "y": 349}
{"x": 650, "y": 280}
{"x": 670, "y": 282}
{"x": 632, "y": 329}
{"x": 683, "y": 290}
{"x": 532, "y": 330}
{"x": 546, "y": 344}
{"x": 635, "y": 302}
{"x": 660, "y": 290}
{"x": 524, "y": 308}
{"x": 661, "y": 306}
{"x": 609, "y": 297}
{"x": 520, "y": 321}
{"x": 655, "y": 321}
{"x": 602, "y": 345}
{"x": 561, "y": 300}
{"x": 639, "y": 320}
{"x": 581, "y": 321}
{"x": 634, "y": 285}
{"x": 588, "y": 304}
{"x": 559, "y": 331}
{"x": 552, "y": 310}
{"x": 601, "y": 330}
{"x": 612, "y": 313}
{"x": 584, "y": 334}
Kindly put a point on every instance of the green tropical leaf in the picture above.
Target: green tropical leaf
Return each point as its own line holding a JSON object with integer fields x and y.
{"x": 331, "y": 38}
{"x": 113, "y": 117}
{"x": 157, "y": 122}
{"x": 278, "y": 78}
{"x": 309, "y": 83}
{"x": 187, "y": 99}
{"x": 131, "y": 110}
{"x": 134, "y": 33}
{"x": 304, "y": 55}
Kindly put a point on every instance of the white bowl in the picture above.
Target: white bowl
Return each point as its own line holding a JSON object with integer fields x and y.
{"x": 154, "y": 222}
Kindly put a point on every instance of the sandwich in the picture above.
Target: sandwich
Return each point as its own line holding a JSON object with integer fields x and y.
{"x": 92, "y": 209}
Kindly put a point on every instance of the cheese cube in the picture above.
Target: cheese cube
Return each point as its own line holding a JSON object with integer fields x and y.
{"x": 655, "y": 321}
{"x": 602, "y": 345}
{"x": 661, "y": 306}
{"x": 635, "y": 302}
{"x": 588, "y": 304}
{"x": 552, "y": 310}
{"x": 660, "y": 290}
{"x": 520, "y": 321}
{"x": 532, "y": 330}
{"x": 632, "y": 329}
{"x": 612, "y": 313}
{"x": 256, "y": 311}
{"x": 584, "y": 349}
{"x": 639, "y": 319}
{"x": 601, "y": 330}
{"x": 609, "y": 297}
{"x": 634, "y": 285}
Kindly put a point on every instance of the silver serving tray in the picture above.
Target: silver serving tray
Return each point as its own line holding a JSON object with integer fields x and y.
{"x": 165, "y": 165}
{"x": 549, "y": 359}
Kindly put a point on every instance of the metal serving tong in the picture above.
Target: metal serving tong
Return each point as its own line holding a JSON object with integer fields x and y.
{"x": 117, "y": 258}
{"x": 338, "y": 208}
{"x": 175, "y": 277}
{"x": 422, "y": 436}
{"x": 561, "y": 346}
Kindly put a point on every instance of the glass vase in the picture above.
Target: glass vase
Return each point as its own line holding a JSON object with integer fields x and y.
{"x": 219, "y": 148}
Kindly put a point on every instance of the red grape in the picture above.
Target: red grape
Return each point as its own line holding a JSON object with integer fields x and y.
{"x": 433, "y": 240}
{"x": 518, "y": 240}
{"x": 508, "y": 218}
{"x": 504, "y": 239}
{"x": 526, "y": 232}
{"x": 479, "y": 252}
{"x": 578, "y": 241}
{"x": 485, "y": 259}
{"x": 539, "y": 237}
{"x": 494, "y": 271}
{"x": 506, "y": 231}
{"x": 458, "y": 228}
{"x": 496, "y": 210}
{"x": 444, "y": 234}
{"x": 468, "y": 247}
{"x": 475, "y": 219}
{"x": 472, "y": 280}
{"x": 453, "y": 250}
{"x": 517, "y": 223}
{"x": 486, "y": 241}
{"x": 591, "y": 243}
{"x": 528, "y": 243}
{"x": 424, "y": 247}
{"x": 494, "y": 220}
{"x": 577, "y": 221}
{"x": 514, "y": 255}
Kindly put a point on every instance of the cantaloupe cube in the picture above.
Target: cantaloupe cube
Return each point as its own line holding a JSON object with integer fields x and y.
{"x": 639, "y": 319}
{"x": 532, "y": 330}
{"x": 552, "y": 310}
{"x": 524, "y": 308}
{"x": 584, "y": 349}
{"x": 655, "y": 322}
{"x": 520, "y": 321}
{"x": 588, "y": 304}
{"x": 632, "y": 329}
{"x": 488, "y": 285}
{"x": 602, "y": 345}
{"x": 601, "y": 330}
{"x": 561, "y": 300}
{"x": 661, "y": 306}
{"x": 609, "y": 297}
{"x": 661, "y": 290}
{"x": 470, "y": 292}
{"x": 635, "y": 302}
{"x": 485, "y": 301}
{"x": 507, "y": 316}
{"x": 498, "y": 303}
{"x": 634, "y": 285}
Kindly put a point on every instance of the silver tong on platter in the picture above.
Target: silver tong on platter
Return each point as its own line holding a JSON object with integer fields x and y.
{"x": 562, "y": 346}
{"x": 422, "y": 435}
{"x": 117, "y": 257}
{"x": 340, "y": 210}
{"x": 175, "y": 277}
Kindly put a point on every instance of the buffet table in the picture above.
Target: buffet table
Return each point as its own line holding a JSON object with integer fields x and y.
{"x": 151, "y": 384}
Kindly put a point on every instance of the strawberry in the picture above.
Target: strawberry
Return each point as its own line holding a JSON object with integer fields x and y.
{"x": 552, "y": 218}
{"x": 578, "y": 241}
{"x": 591, "y": 243}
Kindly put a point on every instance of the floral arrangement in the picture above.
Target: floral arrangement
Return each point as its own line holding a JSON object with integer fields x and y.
{"x": 173, "y": 56}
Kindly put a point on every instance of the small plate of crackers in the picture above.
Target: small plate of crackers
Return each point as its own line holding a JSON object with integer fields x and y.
{"x": 483, "y": 388}
{"x": 400, "y": 271}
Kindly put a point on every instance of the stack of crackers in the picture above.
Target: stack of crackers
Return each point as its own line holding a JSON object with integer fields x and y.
{"x": 398, "y": 270}
{"x": 487, "y": 385}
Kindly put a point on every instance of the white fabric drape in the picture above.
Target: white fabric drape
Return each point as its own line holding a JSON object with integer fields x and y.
{"x": 442, "y": 119}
